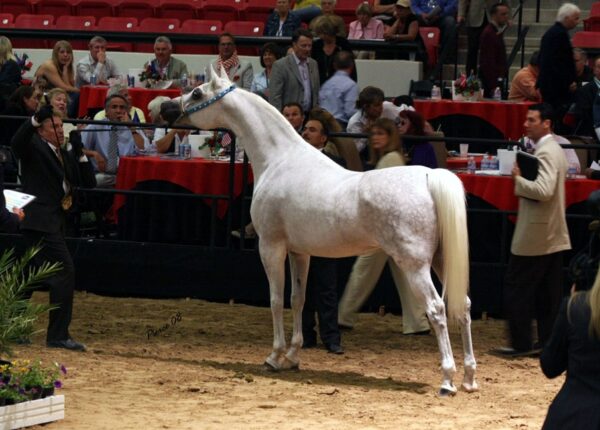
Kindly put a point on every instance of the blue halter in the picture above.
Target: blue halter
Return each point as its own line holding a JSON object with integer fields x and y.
{"x": 210, "y": 101}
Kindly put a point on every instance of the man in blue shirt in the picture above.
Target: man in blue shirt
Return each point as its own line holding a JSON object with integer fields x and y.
{"x": 104, "y": 144}
{"x": 339, "y": 93}
{"x": 441, "y": 14}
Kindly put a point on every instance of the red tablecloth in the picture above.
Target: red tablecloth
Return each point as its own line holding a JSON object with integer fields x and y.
{"x": 199, "y": 175}
{"x": 94, "y": 97}
{"x": 499, "y": 190}
{"x": 507, "y": 117}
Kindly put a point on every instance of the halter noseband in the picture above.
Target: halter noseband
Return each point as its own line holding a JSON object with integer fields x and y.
{"x": 208, "y": 102}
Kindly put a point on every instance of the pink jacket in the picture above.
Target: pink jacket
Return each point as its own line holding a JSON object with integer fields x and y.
{"x": 373, "y": 30}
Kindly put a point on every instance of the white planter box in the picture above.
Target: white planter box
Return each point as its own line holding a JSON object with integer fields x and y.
{"x": 32, "y": 412}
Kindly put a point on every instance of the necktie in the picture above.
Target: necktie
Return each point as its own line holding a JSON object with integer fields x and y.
{"x": 113, "y": 151}
{"x": 59, "y": 155}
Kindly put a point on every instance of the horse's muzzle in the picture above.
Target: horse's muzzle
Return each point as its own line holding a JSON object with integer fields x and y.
{"x": 170, "y": 111}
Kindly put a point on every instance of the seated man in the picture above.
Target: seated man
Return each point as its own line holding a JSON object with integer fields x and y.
{"x": 104, "y": 144}
{"x": 96, "y": 64}
{"x": 522, "y": 87}
{"x": 282, "y": 22}
{"x": 136, "y": 114}
{"x": 586, "y": 98}
{"x": 294, "y": 114}
{"x": 164, "y": 64}
{"x": 339, "y": 93}
{"x": 239, "y": 72}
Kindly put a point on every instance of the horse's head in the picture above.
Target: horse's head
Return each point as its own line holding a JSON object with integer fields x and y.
{"x": 186, "y": 109}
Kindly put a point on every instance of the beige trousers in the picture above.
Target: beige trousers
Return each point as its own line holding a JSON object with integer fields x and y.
{"x": 365, "y": 274}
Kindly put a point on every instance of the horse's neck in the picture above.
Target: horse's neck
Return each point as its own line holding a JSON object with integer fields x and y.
{"x": 266, "y": 136}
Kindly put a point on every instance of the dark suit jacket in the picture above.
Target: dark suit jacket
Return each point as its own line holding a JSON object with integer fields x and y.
{"x": 557, "y": 67}
{"x": 583, "y": 109}
{"x": 325, "y": 61}
{"x": 570, "y": 348}
{"x": 9, "y": 222}
{"x": 285, "y": 85}
{"x": 43, "y": 175}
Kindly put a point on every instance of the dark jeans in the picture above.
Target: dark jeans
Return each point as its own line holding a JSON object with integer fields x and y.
{"x": 532, "y": 289}
{"x": 61, "y": 285}
{"x": 473, "y": 35}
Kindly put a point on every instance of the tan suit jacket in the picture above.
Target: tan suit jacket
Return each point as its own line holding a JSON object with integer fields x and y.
{"x": 474, "y": 11}
{"x": 285, "y": 85}
{"x": 541, "y": 225}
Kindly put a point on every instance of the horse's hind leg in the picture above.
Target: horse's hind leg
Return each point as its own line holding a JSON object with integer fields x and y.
{"x": 299, "y": 264}
{"x": 469, "y": 383}
{"x": 272, "y": 255}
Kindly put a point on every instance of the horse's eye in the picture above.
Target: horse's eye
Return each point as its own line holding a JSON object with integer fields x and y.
{"x": 197, "y": 94}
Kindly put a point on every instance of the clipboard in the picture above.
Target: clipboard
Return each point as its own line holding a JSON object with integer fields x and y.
{"x": 528, "y": 164}
{"x": 16, "y": 199}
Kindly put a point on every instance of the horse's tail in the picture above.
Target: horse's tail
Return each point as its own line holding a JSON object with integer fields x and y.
{"x": 449, "y": 198}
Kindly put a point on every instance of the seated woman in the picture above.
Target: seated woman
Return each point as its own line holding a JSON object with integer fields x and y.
{"x": 384, "y": 151}
{"x": 58, "y": 72}
{"x": 406, "y": 29}
{"x": 325, "y": 48}
{"x": 574, "y": 347}
{"x": 269, "y": 53}
{"x": 365, "y": 28}
{"x": 418, "y": 152}
{"x": 10, "y": 74}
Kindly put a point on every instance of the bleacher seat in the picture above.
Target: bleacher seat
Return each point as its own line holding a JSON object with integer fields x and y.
{"x": 245, "y": 28}
{"x": 198, "y": 26}
{"x": 7, "y": 20}
{"x": 97, "y": 8}
{"x": 162, "y": 26}
{"x": 222, "y": 10}
{"x": 54, "y": 7}
{"x": 431, "y": 39}
{"x": 118, "y": 23}
{"x": 32, "y": 22}
{"x": 258, "y": 10}
{"x": 586, "y": 39}
{"x": 15, "y": 7}
{"x": 178, "y": 9}
{"x": 139, "y": 8}
{"x": 592, "y": 23}
{"x": 595, "y": 9}
{"x": 83, "y": 23}
{"x": 346, "y": 9}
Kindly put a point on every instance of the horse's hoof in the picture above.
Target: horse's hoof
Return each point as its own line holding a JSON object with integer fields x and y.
{"x": 290, "y": 365}
{"x": 470, "y": 387}
{"x": 447, "y": 392}
{"x": 270, "y": 367}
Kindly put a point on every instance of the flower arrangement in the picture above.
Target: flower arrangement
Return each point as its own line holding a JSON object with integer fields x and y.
{"x": 24, "y": 63}
{"x": 29, "y": 380}
{"x": 467, "y": 86}
{"x": 151, "y": 75}
{"x": 214, "y": 143}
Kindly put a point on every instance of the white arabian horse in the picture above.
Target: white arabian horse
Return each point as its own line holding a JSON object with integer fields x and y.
{"x": 305, "y": 204}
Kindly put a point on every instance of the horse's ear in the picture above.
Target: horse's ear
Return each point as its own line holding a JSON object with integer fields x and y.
{"x": 223, "y": 74}
{"x": 214, "y": 78}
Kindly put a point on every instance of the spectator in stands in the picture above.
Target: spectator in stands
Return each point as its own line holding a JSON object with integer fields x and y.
{"x": 574, "y": 347}
{"x": 385, "y": 150}
{"x": 328, "y": 10}
{"x": 439, "y": 13}
{"x": 10, "y": 74}
{"x": 294, "y": 113}
{"x": 321, "y": 287}
{"x": 584, "y": 72}
{"x": 282, "y": 22}
{"x": 406, "y": 29}
{"x": 269, "y": 53}
{"x": 104, "y": 144}
{"x": 96, "y": 63}
{"x": 239, "y": 72}
{"x": 586, "y": 98}
{"x": 307, "y": 10}
{"x": 339, "y": 93}
{"x": 475, "y": 15}
{"x": 166, "y": 65}
{"x": 383, "y": 10}
{"x": 154, "y": 109}
{"x": 493, "y": 64}
{"x": 557, "y": 75}
{"x": 365, "y": 28}
{"x": 135, "y": 113}
{"x": 371, "y": 105}
{"x": 418, "y": 152}
{"x": 325, "y": 48}
{"x": 522, "y": 87}
{"x": 24, "y": 101}
{"x": 58, "y": 72}
{"x": 295, "y": 77}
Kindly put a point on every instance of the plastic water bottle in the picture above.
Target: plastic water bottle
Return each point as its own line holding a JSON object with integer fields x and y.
{"x": 93, "y": 79}
{"x": 494, "y": 163}
{"x": 572, "y": 171}
{"x": 484, "y": 163}
{"x": 497, "y": 94}
{"x": 184, "y": 81}
{"x": 471, "y": 165}
{"x": 436, "y": 93}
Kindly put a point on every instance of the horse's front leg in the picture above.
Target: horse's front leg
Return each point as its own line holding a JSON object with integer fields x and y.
{"x": 299, "y": 272}
{"x": 272, "y": 255}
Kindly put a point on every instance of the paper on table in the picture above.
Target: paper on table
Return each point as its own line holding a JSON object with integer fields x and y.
{"x": 595, "y": 166}
{"x": 15, "y": 199}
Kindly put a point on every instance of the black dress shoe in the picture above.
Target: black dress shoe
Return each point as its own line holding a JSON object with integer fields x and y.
{"x": 66, "y": 344}
{"x": 509, "y": 352}
{"x": 334, "y": 348}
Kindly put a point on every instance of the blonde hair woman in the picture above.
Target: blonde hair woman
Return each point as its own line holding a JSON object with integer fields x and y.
{"x": 59, "y": 99}
{"x": 384, "y": 151}
{"x": 574, "y": 347}
{"x": 59, "y": 71}
{"x": 10, "y": 74}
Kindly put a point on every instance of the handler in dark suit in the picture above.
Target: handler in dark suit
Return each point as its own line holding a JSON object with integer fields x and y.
{"x": 583, "y": 108}
{"x": 575, "y": 348}
{"x": 295, "y": 78}
{"x": 557, "y": 65}
{"x": 50, "y": 173}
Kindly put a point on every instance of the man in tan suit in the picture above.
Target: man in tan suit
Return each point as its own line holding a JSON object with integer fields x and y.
{"x": 533, "y": 284}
